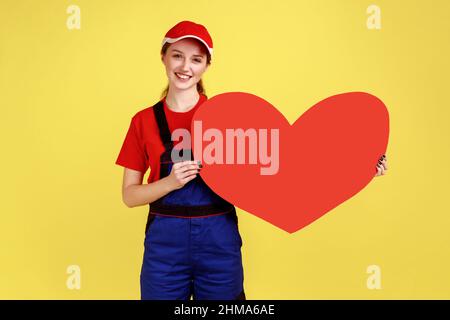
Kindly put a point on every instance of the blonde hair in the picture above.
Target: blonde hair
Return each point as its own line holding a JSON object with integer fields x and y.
{"x": 200, "y": 87}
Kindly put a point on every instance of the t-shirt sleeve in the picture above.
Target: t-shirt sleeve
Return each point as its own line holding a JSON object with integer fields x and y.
{"x": 132, "y": 154}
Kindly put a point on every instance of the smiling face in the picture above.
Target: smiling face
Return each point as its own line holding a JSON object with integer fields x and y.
{"x": 185, "y": 60}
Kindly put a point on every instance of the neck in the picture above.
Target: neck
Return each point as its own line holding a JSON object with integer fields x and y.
{"x": 182, "y": 100}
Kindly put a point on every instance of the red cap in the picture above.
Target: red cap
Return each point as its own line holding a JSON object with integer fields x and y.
{"x": 189, "y": 29}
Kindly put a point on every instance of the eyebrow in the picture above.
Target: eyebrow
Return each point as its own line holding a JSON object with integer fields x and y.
{"x": 195, "y": 55}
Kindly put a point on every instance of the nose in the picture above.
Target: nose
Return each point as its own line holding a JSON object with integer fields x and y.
{"x": 186, "y": 65}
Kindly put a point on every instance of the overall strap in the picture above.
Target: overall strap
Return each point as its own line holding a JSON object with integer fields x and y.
{"x": 161, "y": 120}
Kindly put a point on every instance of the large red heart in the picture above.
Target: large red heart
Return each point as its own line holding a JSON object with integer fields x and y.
{"x": 327, "y": 156}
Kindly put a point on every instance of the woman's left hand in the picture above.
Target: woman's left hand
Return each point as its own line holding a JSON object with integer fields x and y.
{"x": 381, "y": 166}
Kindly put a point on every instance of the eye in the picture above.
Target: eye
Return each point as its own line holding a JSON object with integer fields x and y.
{"x": 176, "y": 55}
{"x": 198, "y": 60}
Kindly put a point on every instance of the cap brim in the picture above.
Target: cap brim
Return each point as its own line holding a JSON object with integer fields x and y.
{"x": 172, "y": 40}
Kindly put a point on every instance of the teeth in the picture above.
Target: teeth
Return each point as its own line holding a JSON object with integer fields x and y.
{"x": 182, "y": 76}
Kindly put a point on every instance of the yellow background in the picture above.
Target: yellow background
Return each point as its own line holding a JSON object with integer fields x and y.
{"x": 67, "y": 97}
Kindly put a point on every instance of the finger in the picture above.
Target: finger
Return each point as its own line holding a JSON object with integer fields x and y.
{"x": 382, "y": 172}
{"x": 378, "y": 170}
{"x": 188, "y": 163}
{"x": 179, "y": 164}
{"x": 187, "y": 167}
{"x": 187, "y": 179}
{"x": 384, "y": 163}
{"x": 188, "y": 173}
{"x": 380, "y": 163}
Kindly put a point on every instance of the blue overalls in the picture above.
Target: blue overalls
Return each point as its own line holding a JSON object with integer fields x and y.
{"x": 192, "y": 241}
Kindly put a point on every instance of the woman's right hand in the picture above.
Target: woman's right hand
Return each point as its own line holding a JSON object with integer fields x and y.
{"x": 183, "y": 172}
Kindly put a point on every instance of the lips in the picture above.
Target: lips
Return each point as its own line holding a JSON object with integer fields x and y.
{"x": 182, "y": 76}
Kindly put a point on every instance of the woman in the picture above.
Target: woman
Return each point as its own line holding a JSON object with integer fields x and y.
{"x": 192, "y": 242}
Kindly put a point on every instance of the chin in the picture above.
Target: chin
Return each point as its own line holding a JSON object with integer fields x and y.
{"x": 183, "y": 86}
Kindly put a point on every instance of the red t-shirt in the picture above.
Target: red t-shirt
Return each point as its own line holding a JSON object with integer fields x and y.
{"x": 143, "y": 147}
